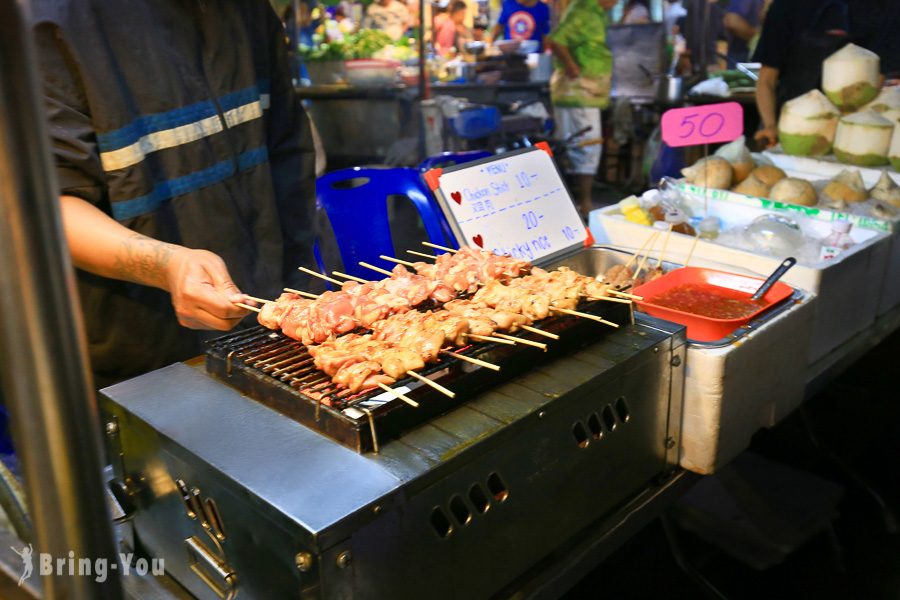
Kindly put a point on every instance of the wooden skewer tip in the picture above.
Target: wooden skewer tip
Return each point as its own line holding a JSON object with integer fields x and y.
{"x": 489, "y": 338}
{"x": 552, "y": 336}
{"x": 405, "y": 263}
{"x": 434, "y": 384}
{"x": 301, "y": 293}
{"x": 376, "y": 269}
{"x": 255, "y": 299}
{"x": 247, "y": 306}
{"x": 474, "y": 361}
{"x": 516, "y": 340}
{"x": 350, "y": 277}
{"x": 444, "y": 248}
{"x": 320, "y": 276}
{"x": 398, "y": 395}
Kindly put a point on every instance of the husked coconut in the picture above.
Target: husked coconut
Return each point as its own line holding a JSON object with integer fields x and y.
{"x": 794, "y": 191}
{"x": 850, "y": 77}
{"x": 846, "y": 186}
{"x": 863, "y": 139}
{"x": 752, "y": 186}
{"x": 888, "y": 98}
{"x": 769, "y": 174}
{"x": 712, "y": 172}
{"x": 806, "y": 125}
{"x": 886, "y": 190}
{"x": 894, "y": 151}
{"x": 739, "y": 156}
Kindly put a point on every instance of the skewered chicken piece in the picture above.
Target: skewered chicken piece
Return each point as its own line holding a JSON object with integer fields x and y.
{"x": 469, "y": 268}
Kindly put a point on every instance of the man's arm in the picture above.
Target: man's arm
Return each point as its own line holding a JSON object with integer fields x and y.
{"x": 497, "y": 31}
{"x": 738, "y": 26}
{"x": 565, "y": 57}
{"x": 202, "y": 291}
{"x": 766, "y": 104}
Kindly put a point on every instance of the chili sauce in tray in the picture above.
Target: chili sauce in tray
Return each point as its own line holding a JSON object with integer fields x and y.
{"x": 708, "y": 300}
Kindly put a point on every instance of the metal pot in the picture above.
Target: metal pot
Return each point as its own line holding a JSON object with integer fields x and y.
{"x": 670, "y": 89}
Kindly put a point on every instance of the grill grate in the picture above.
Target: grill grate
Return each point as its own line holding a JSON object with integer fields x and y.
{"x": 279, "y": 372}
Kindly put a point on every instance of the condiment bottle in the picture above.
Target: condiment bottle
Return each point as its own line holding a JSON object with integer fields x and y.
{"x": 837, "y": 241}
{"x": 709, "y": 228}
{"x": 679, "y": 222}
{"x": 632, "y": 211}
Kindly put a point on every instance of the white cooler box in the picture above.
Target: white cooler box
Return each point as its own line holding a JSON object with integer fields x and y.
{"x": 848, "y": 288}
{"x": 732, "y": 392}
{"x": 815, "y": 169}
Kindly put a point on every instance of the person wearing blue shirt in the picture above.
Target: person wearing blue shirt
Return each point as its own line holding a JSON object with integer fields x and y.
{"x": 523, "y": 20}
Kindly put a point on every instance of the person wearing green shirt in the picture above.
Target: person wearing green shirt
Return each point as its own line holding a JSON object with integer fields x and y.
{"x": 580, "y": 86}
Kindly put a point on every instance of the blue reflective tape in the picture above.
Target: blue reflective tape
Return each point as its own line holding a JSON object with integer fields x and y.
{"x": 166, "y": 190}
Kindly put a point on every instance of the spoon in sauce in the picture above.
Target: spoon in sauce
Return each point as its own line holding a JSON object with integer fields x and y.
{"x": 775, "y": 276}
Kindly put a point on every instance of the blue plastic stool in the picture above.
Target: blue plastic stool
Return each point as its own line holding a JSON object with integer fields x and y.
{"x": 476, "y": 122}
{"x": 449, "y": 159}
{"x": 355, "y": 201}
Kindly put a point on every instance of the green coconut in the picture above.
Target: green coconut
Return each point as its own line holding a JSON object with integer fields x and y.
{"x": 851, "y": 77}
{"x": 887, "y": 99}
{"x": 807, "y": 125}
{"x": 863, "y": 139}
{"x": 894, "y": 151}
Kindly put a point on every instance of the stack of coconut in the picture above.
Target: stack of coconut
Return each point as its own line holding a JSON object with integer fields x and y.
{"x": 733, "y": 168}
{"x": 867, "y": 134}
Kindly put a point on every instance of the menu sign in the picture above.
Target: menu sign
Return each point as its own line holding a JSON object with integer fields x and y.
{"x": 514, "y": 203}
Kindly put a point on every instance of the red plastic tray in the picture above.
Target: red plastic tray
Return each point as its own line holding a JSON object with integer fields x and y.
{"x": 707, "y": 329}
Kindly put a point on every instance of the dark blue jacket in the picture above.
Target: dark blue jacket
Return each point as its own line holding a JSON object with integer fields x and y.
{"x": 178, "y": 119}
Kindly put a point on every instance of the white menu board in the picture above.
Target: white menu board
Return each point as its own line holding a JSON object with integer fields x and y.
{"x": 514, "y": 203}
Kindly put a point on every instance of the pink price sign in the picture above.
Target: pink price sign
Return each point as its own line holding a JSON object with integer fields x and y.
{"x": 709, "y": 124}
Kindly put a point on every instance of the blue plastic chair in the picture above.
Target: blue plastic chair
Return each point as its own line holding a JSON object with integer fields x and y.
{"x": 449, "y": 159}
{"x": 355, "y": 201}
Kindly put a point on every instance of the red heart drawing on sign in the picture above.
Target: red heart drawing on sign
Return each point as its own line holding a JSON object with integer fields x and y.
{"x": 479, "y": 241}
{"x": 457, "y": 197}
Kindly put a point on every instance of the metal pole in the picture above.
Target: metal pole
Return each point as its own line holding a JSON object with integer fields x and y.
{"x": 45, "y": 376}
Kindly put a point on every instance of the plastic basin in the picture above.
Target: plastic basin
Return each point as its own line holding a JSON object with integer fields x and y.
{"x": 701, "y": 328}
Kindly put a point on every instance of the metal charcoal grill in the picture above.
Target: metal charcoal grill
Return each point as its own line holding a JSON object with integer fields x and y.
{"x": 278, "y": 372}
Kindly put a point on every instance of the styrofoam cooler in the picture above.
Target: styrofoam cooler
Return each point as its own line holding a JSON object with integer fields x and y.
{"x": 732, "y": 392}
{"x": 848, "y": 287}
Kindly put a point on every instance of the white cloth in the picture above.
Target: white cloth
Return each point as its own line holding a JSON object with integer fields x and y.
{"x": 583, "y": 160}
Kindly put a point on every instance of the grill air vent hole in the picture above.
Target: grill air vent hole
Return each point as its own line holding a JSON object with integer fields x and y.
{"x": 622, "y": 410}
{"x": 460, "y": 510}
{"x": 497, "y": 487}
{"x": 580, "y": 434}
{"x": 595, "y": 426}
{"x": 441, "y": 523}
{"x": 479, "y": 499}
{"x": 609, "y": 419}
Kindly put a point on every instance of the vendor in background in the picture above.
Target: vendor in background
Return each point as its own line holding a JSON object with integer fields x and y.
{"x": 182, "y": 181}
{"x": 742, "y": 23}
{"x": 389, "y": 16}
{"x": 798, "y": 35}
{"x": 636, "y": 12}
{"x": 340, "y": 25}
{"x": 581, "y": 85}
{"x": 451, "y": 35}
{"x": 523, "y": 20}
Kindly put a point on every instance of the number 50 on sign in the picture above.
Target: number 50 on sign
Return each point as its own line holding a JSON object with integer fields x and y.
{"x": 709, "y": 124}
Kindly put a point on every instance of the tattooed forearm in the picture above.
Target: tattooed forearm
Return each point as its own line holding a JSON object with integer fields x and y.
{"x": 143, "y": 260}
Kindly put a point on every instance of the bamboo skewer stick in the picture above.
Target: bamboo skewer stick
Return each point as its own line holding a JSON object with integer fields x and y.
{"x": 319, "y": 275}
{"x": 609, "y": 299}
{"x": 488, "y": 338}
{"x": 350, "y": 277}
{"x": 398, "y": 395}
{"x": 301, "y": 293}
{"x": 659, "y": 260}
{"x": 255, "y": 299}
{"x": 445, "y": 248}
{"x": 376, "y": 269}
{"x": 422, "y": 254}
{"x": 644, "y": 260}
{"x": 435, "y": 385}
{"x": 576, "y": 313}
{"x": 474, "y": 361}
{"x": 522, "y": 341}
{"x": 247, "y": 306}
{"x": 405, "y": 263}
{"x": 641, "y": 249}
{"x": 552, "y": 336}
{"x": 625, "y": 295}
{"x": 691, "y": 253}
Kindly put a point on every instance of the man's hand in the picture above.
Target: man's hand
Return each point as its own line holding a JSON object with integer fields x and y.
{"x": 202, "y": 292}
{"x": 768, "y": 136}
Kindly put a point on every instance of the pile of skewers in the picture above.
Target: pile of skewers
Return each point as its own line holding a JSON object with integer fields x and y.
{"x": 370, "y": 334}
